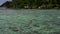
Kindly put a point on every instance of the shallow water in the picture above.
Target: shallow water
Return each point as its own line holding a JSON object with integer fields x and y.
{"x": 31, "y": 21}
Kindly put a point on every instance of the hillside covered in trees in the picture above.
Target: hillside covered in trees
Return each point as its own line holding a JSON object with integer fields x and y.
{"x": 36, "y": 4}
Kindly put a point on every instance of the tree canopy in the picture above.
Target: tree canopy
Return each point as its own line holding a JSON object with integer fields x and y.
{"x": 35, "y": 3}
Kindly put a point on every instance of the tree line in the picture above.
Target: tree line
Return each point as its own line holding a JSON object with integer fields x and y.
{"x": 35, "y": 3}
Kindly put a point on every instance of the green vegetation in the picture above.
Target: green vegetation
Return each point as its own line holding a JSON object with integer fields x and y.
{"x": 35, "y": 3}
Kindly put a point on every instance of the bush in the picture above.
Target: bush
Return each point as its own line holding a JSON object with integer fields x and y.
{"x": 57, "y": 5}
{"x": 50, "y": 5}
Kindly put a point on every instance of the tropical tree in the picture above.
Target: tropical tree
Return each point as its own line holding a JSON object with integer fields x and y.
{"x": 32, "y": 3}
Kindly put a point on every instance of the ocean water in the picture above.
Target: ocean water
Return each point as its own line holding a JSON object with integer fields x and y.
{"x": 29, "y": 21}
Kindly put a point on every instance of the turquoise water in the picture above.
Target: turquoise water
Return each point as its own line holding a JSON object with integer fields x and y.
{"x": 31, "y": 21}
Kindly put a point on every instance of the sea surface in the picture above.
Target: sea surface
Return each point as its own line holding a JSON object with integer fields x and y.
{"x": 29, "y": 21}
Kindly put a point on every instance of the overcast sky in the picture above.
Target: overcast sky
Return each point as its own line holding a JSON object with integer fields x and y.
{"x": 2, "y": 1}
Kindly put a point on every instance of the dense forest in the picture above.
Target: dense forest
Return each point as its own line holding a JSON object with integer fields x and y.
{"x": 36, "y": 4}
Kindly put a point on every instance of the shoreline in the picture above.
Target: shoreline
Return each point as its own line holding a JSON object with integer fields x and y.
{"x": 32, "y": 9}
{"x": 4, "y": 8}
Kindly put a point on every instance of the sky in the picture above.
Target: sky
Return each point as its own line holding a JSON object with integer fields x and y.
{"x": 2, "y": 1}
